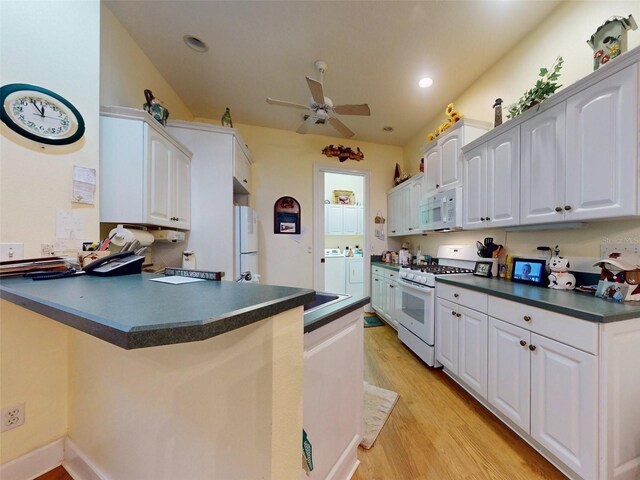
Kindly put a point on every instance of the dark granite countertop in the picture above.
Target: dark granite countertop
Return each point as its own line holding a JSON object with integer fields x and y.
{"x": 390, "y": 266}
{"x": 132, "y": 312}
{"x": 327, "y": 314}
{"x": 568, "y": 302}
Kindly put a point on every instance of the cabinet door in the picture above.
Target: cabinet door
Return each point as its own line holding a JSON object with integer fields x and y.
{"x": 474, "y": 198}
{"x": 392, "y": 213}
{"x": 447, "y": 334}
{"x": 472, "y": 349}
{"x": 159, "y": 180}
{"x": 333, "y": 224}
{"x": 360, "y": 219}
{"x": 503, "y": 179}
{"x": 432, "y": 170}
{"x": 602, "y": 148}
{"x": 415, "y": 197}
{"x": 241, "y": 169}
{"x": 451, "y": 159}
{"x": 508, "y": 371}
{"x": 391, "y": 301}
{"x": 349, "y": 220}
{"x": 377, "y": 283}
{"x": 564, "y": 396}
{"x": 542, "y": 167}
{"x": 182, "y": 190}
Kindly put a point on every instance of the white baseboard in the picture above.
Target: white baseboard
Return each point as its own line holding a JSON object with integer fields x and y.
{"x": 79, "y": 466}
{"x": 59, "y": 452}
{"x": 35, "y": 463}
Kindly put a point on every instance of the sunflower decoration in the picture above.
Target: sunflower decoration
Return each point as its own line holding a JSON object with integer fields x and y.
{"x": 454, "y": 117}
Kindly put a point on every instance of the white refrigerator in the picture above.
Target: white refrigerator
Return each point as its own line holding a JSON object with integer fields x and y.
{"x": 245, "y": 243}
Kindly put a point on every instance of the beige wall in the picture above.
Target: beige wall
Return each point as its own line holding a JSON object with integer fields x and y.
{"x": 283, "y": 165}
{"x": 34, "y": 184}
{"x": 125, "y": 71}
{"x": 565, "y": 33}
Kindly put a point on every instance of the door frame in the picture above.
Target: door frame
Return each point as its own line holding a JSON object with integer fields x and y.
{"x": 318, "y": 221}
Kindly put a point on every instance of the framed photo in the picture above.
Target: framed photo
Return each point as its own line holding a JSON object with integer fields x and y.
{"x": 286, "y": 216}
{"x": 612, "y": 291}
{"x": 532, "y": 271}
{"x": 483, "y": 269}
{"x": 344, "y": 197}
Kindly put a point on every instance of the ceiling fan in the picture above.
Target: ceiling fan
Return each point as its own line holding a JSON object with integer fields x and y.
{"x": 322, "y": 108}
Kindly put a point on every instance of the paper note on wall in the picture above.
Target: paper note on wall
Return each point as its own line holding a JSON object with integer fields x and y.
{"x": 84, "y": 185}
{"x": 69, "y": 225}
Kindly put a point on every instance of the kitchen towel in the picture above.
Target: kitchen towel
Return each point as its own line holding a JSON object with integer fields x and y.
{"x": 378, "y": 404}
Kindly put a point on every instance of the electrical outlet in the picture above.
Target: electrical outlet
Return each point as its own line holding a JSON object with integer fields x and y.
{"x": 11, "y": 417}
{"x": 608, "y": 248}
{"x": 11, "y": 251}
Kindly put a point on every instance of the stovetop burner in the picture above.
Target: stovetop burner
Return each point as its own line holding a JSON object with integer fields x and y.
{"x": 440, "y": 269}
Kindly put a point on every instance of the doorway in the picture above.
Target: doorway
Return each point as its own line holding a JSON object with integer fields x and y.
{"x": 340, "y": 246}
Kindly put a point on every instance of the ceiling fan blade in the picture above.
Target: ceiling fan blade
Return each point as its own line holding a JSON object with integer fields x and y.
{"x": 316, "y": 90}
{"x": 305, "y": 125}
{"x": 341, "y": 127}
{"x": 282, "y": 103}
{"x": 362, "y": 109}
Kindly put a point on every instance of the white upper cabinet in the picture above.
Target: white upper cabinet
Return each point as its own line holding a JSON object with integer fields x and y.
{"x": 443, "y": 160}
{"x": 403, "y": 207}
{"x": 602, "y": 148}
{"x": 491, "y": 182}
{"x": 241, "y": 169}
{"x": 543, "y": 167}
{"x": 578, "y": 157}
{"x": 145, "y": 173}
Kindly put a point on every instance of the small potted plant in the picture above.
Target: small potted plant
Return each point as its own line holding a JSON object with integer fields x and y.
{"x": 544, "y": 87}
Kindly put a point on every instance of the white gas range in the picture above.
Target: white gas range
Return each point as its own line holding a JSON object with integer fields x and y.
{"x": 416, "y": 303}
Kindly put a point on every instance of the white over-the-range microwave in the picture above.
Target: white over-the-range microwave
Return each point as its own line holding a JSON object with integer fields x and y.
{"x": 441, "y": 211}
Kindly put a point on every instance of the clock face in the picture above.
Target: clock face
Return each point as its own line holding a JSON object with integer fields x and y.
{"x": 40, "y": 115}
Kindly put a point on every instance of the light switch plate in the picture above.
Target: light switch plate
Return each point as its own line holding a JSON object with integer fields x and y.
{"x": 11, "y": 251}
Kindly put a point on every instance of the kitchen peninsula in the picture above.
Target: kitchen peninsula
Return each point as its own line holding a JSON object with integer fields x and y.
{"x": 217, "y": 395}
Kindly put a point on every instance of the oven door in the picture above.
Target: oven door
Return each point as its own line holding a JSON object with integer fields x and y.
{"x": 415, "y": 311}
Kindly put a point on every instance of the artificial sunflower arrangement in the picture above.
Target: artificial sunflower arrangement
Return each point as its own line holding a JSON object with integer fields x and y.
{"x": 544, "y": 87}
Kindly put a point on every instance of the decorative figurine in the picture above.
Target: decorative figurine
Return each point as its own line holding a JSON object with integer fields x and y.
{"x": 610, "y": 39}
{"x": 497, "y": 107}
{"x": 560, "y": 278}
{"x": 226, "y": 119}
{"x": 153, "y": 108}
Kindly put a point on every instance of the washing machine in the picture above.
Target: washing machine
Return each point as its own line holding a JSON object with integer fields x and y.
{"x": 354, "y": 281}
{"x": 334, "y": 271}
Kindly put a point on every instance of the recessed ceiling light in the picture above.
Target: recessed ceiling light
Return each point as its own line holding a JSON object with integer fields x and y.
{"x": 195, "y": 43}
{"x": 425, "y": 82}
{"x": 387, "y": 129}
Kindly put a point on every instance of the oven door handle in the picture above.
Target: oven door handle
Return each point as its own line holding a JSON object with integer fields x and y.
{"x": 426, "y": 290}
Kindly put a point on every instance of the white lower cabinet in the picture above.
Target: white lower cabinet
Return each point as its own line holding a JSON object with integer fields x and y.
{"x": 384, "y": 287}
{"x": 461, "y": 343}
{"x": 333, "y": 395}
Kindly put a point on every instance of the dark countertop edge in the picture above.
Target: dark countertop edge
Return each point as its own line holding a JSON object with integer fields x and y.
{"x": 389, "y": 266}
{"x": 153, "y": 336}
{"x": 552, "y": 307}
{"x": 328, "y": 314}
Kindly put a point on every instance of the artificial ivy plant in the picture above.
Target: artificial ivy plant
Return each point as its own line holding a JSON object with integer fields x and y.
{"x": 543, "y": 88}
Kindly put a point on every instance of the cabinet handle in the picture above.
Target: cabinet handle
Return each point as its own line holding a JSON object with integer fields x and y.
{"x": 458, "y": 315}
{"x": 376, "y": 280}
{"x": 527, "y": 318}
{"x": 488, "y": 218}
{"x": 437, "y": 185}
{"x": 567, "y": 207}
{"x": 391, "y": 286}
{"x": 482, "y": 219}
{"x": 532, "y": 347}
{"x": 456, "y": 295}
{"x": 410, "y": 228}
{"x": 523, "y": 343}
{"x": 393, "y": 231}
{"x": 244, "y": 180}
{"x": 558, "y": 209}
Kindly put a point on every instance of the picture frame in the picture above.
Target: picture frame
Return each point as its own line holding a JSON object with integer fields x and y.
{"x": 286, "y": 216}
{"x": 483, "y": 269}
{"x": 531, "y": 271}
{"x": 344, "y": 197}
{"x": 612, "y": 291}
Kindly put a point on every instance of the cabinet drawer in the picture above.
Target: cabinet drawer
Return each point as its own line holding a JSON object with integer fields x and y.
{"x": 391, "y": 274}
{"x": 377, "y": 270}
{"x": 572, "y": 331}
{"x": 462, "y": 296}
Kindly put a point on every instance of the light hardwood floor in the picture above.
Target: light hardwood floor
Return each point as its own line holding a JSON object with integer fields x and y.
{"x": 437, "y": 431}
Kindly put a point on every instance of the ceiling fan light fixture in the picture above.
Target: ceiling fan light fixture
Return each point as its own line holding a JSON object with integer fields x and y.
{"x": 195, "y": 43}
{"x": 425, "y": 82}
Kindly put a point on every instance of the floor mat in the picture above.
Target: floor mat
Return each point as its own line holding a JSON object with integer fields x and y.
{"x": 378, "y": 404}
{"x": 372, "y": 320}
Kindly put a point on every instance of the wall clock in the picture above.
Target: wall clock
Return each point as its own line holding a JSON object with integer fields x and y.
{"x": 40, "y": 114}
